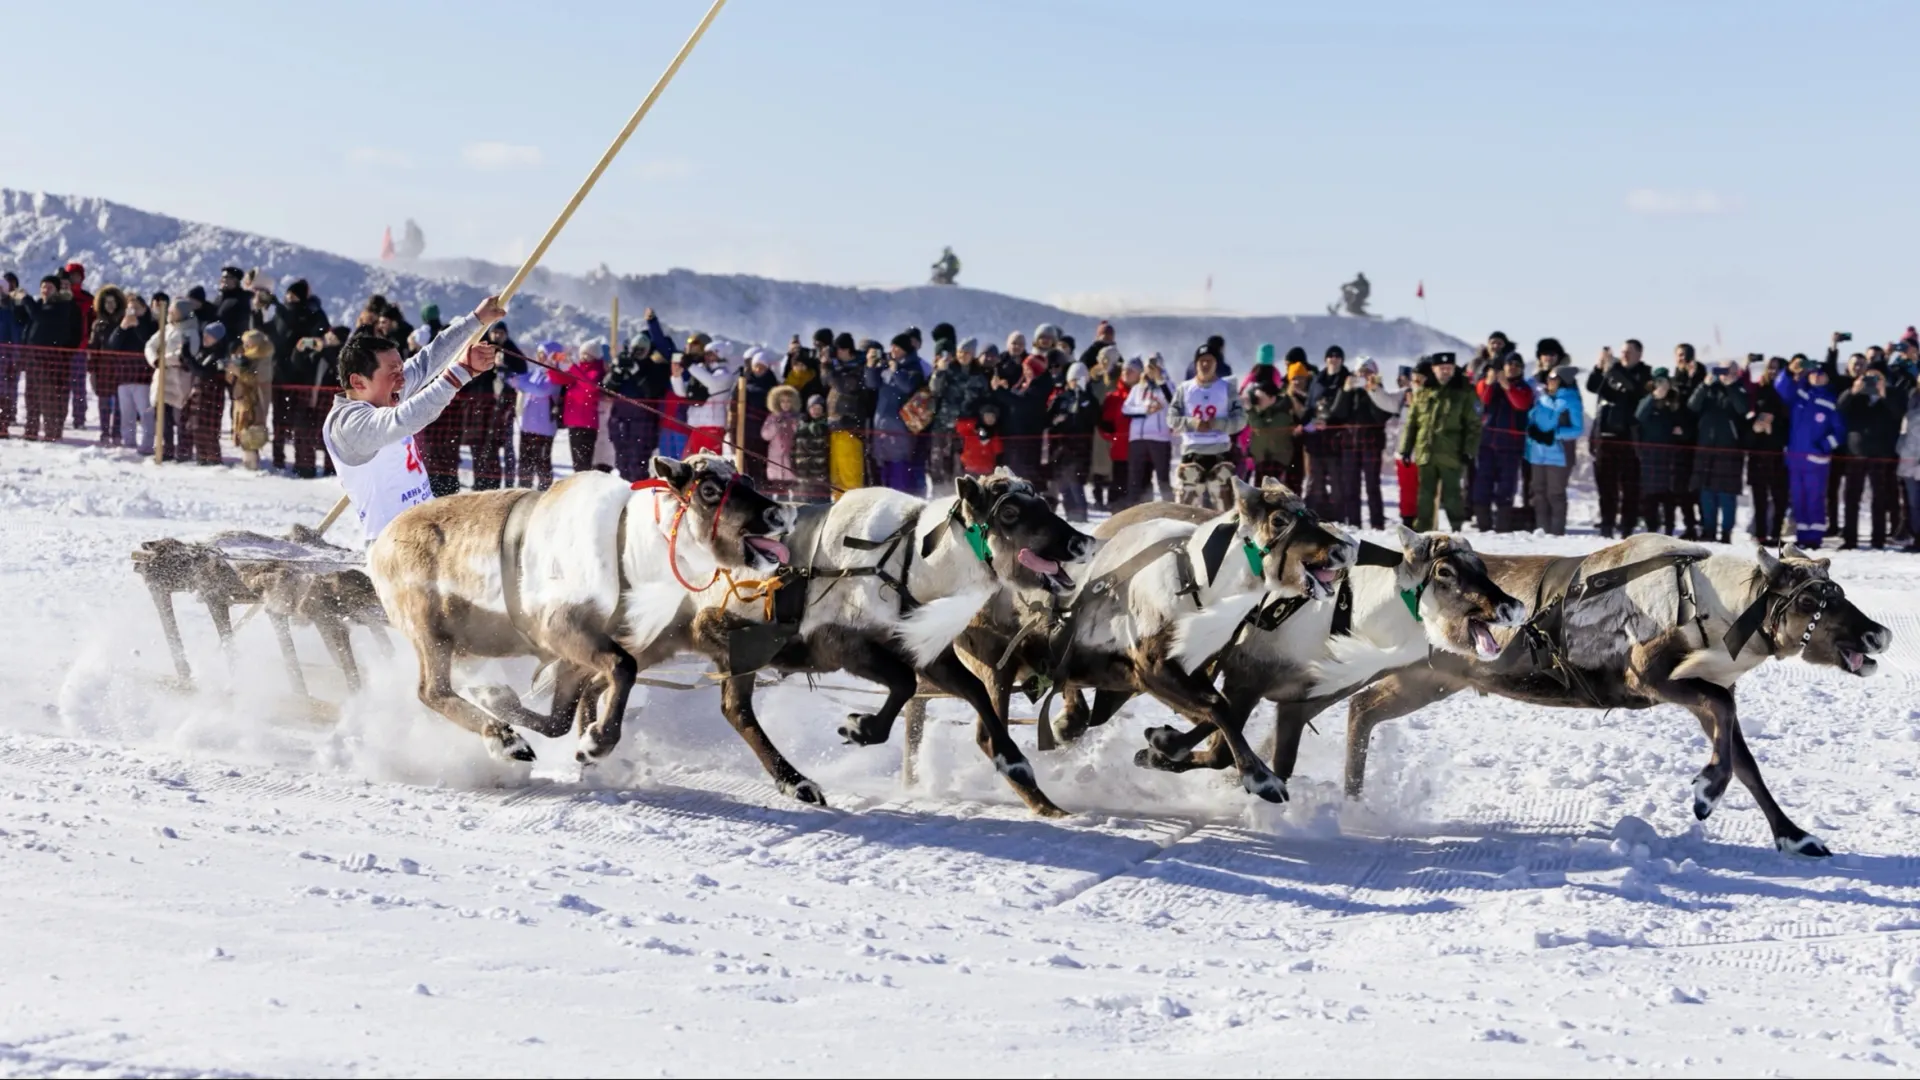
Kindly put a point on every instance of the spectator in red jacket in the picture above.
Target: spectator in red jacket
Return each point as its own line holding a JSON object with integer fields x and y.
{"x": 84, "y": 301}
{"x": 1114, "y": 425}
{"x": 980, "y": 442}
{"x": 1505, "y": 400}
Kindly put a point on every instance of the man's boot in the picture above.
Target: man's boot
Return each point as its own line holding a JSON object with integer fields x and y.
{"x": 1482, "y": 517}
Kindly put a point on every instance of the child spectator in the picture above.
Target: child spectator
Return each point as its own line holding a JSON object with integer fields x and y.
{"x": 811, "y": 438}
{"x": 980, "y": 442}
{"x": 777, "y": 431}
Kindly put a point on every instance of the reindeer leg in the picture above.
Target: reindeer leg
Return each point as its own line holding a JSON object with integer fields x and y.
{"x": 333, "y": 632}
{"x": 1787, "y": 837}
{"x": 1194, "y": 697}
{"x": 1712, "y": 706}
{"x": 287, "y": 652}
{"x": 163, "y": 601}
{"x": 437, "y": 693}
{"x": 1290, "y": 720}
{"x": 1394, "y": 696}
{"x": 222, "y": 616}
{"x": 618, "y": 670}
{"x": 1105, "y": 704}
{"x": 736, "y": 701}
{"x": 990, "y": 731}
{"x": 874, "y": 663}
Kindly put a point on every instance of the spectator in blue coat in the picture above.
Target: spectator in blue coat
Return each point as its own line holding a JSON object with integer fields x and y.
{"x": 1553, "y": 422}
{"x": 893, "y": 381}
{"x": 1814, "y": 432}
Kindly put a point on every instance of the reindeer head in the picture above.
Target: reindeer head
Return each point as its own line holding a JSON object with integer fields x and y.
{"x": 725, "y": 512}
{"x": 1013, "y": 530}
{"x": 1286, "y": 544}
{"x": 1805, "y": 610}
{"x": 1447, "y": 588}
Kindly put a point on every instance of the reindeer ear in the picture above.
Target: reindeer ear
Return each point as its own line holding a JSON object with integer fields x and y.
{"x": 1792, "y": 551}
{"x": 674, "y": 471}
{"x": 1410, "y": 541}
{"x": 1768, "y": 564}
{"x": 968, "y": 489}
{"x": 1246, "y": 497}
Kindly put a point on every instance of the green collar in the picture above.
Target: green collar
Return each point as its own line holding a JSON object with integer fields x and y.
{"x": 1256, "y": 558}
{"x": 976, "y": 534}
{"x": 1411, "y": 597}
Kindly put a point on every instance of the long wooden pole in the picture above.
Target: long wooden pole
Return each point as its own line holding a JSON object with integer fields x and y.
{"x": 613, "y": 331}
{"x": 566, "y": 215}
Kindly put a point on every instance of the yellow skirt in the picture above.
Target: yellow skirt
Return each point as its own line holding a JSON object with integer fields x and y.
{"x": 846, "y": 462}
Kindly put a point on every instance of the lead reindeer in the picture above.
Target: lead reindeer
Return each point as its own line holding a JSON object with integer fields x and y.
{"x": 595, "y": 578}
{"x": 1645, "y": 622}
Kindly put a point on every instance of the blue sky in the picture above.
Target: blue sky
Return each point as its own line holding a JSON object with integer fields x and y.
{"x": 1593, "y": 171}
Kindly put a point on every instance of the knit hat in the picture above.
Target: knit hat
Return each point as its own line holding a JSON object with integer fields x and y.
{"x": 903, "y": 342}
{"x": 1660, "y": 375}
{"x": 182, "y": 309}
{"x": 1264, "y": 358}
{"x": 843, "y": 340}
{"x": 1046, "y": 330}
{"x": 76, "y": 271}
{"x": 1335, "y": 350}
{"x": 1298, "y": 370}
{"x": 1136, "y": 365}
{"x": 232, "y": 271}
{"x": 970, "y": 345}
{"x": 1368, "y": 367}
{"x": 1296, "y": 355}
{"x": 1567, "y": 374}
{"x": 216, "y": 331}
{"x": 823, "y": 338}
{"x": 1077, "y": 374}
{"x": 551, "y": 348}
{"x": 430, "y": 313}
{"x": 1107, "y": 355}
{"x": 1205, "y": 350}
{"x": 592, "y": 350}
{"x": 197, "y": 293}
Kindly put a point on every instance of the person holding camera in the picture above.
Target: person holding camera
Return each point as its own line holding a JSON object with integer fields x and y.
{"x": 1620, "y": 383}
{"x": 894, "y": 380}
{"x": 705, "y": 378}
{"x": 1814, "y": 431}
{"x": 1554, "y": 421}
{"x": 1767, "y": 421}
{"x": 1719, "y": 408}
{"x": 1873, "y": 434}
{"x": 1505, "y": 401}
{"x": 1149, "y": 438}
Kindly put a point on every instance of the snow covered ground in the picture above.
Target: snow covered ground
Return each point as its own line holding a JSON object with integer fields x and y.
{"x": 188, "y": 888}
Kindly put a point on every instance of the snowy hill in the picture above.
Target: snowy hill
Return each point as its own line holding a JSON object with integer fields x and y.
{"x": 120, "y": 244}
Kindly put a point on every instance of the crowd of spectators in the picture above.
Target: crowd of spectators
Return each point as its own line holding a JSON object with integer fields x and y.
{"x": 1492, "y": 439}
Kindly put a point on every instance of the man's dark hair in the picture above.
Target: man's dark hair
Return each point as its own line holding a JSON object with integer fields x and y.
{"x": 299, "y": 289}
{"x": 13, "y": 279}
{"x": 361, "y": 356}
{"x": 1686, "y": 350}
{"x": 1635, "y": 342}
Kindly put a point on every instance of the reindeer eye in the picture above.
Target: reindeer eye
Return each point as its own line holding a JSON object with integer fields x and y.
{"x": 1443, "y": 572}
{"x": 1807, "y": 602}
{"x": 710, "y": 491}
{"x": 1009, "y": 514}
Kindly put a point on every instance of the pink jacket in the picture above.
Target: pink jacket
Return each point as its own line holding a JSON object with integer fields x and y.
{"x": 581, "y": 407}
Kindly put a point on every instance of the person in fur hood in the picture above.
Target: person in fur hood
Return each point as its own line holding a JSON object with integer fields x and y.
{"x": 247, "y": 371}
{"x": 177, "y": 349}
{"x": 107, "y": 371}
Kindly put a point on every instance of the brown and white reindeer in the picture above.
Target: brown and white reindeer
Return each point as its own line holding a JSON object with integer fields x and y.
{"x": 1432, "y": 596}
{"x": 596, "y": 578}
{"x": 1166, "y": 600}
{"x": 882, "y": 584}
{"x": 1645, "y": 622}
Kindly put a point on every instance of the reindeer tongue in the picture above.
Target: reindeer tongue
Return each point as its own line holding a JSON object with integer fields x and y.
{"x": 1483, "y": 641}
{"x": 1043, "y": 567}
{"x": 767, "y": 545}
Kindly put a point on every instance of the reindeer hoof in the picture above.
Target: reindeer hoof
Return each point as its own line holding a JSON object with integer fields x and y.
{"x": 1264, "y": 784}
{"x": 1804, "y": 846}
{"x": 1707, "y": 792}
{"x": 1154, "y": 759}
{"x": 506, "y": 744}
{"x": 1165, "y": 741}
{"x": 806, "y": 791}
{"x": 864, "y": 729}
{"x": 1066, "y": 729}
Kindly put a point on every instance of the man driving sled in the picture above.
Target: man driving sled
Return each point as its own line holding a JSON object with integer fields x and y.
{"x": 386, "y": 402}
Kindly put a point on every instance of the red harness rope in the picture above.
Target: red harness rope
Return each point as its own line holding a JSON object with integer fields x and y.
{"x": 743, "y": 591}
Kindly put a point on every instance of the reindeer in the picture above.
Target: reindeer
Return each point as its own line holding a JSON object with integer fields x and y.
{"x": 1645, "y": 622}
{"x": 1167, "y": 599}
{"x": 1433, "y": 596}
{"x": 595, "y": 578}
{"x": 299, "y": 579}
{"x": 881, "y": 585}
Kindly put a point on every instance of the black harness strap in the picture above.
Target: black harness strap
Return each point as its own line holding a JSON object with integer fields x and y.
{"x": 1541, "y": 644}
{"x": 1772, "y": 605}
{"x": 1214, "y": 551}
